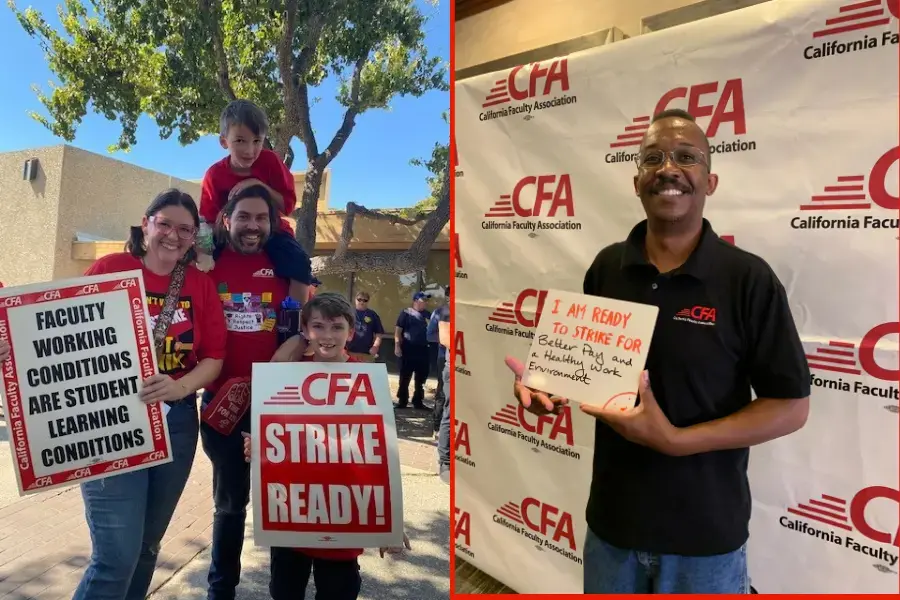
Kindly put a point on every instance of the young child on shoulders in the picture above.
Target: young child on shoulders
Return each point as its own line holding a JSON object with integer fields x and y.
{"x": 327, "y": 322}
{"x": 243, "y": 128}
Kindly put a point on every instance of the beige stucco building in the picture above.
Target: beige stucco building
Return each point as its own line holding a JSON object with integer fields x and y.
{"x": 78, "y": 206}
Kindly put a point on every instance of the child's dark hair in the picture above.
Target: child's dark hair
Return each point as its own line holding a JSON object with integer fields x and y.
{"x": 254, "y": 191}
{"x": 331, "y": 306}
{"x": 244, "y": 112}
{"x": 171, "y": 197}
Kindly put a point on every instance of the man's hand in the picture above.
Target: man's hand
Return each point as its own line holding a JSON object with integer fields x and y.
{"x": 397, "y": 351}
{"x": 4, "y": 350}
{"x": 373, "y": 350}
{"x": 161, "y": 388}
{"x": 646, "y": 424}
{"x": 534, "y": 401}
{"x": 247, "y": 445}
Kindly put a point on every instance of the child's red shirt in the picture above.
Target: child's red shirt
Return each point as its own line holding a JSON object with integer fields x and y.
{"x": 220, "y": 178}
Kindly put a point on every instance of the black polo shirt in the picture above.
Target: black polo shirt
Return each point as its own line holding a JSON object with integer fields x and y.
{"x": 724, "y": 326}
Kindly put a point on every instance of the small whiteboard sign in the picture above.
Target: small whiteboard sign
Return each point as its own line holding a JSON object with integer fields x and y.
{"x": 590, "y": 349}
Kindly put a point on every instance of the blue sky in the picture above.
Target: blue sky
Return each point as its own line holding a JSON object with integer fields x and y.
{"x": 372, "y": 169}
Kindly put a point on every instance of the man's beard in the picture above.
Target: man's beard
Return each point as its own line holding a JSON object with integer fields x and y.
{"x": 237, "y": 245}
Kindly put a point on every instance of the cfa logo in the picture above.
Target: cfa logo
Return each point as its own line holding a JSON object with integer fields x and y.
{"x": 850, "y": 191}
{"x": 514, "y": 313}
{"x": 80, "y": 474}
{"x": 835, "y": 512}
{"x": 537, "y": 79}
{"x": 549, "y": 521}
{"x": 844, "y": 357}
{"x": 158, "y": 455}
{"x": 462, "y": 527}
{"x": 11, "y": 301}
{"x": 122, "y": 463}
{"x": 459, "y": 347}
{"x": 461, "y": 438}
{"x": 703, "y": 314}
{"x": 265, "y": 273}
{"x": 88, "y": 289}
{"x": 725, "y": 106}
{"x": 49, "y": 295}
{"x": 126, "y": 284}
{"x": 551, "y": 427}
{"x": 42, "y": 482}
{"x": 537, "y": 196}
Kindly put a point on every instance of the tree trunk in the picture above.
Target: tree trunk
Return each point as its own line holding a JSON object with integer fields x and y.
{"x": 306, "y": 213}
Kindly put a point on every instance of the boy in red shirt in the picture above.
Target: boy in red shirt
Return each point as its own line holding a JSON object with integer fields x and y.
{"x": 243, "y": 128}
{"x": 327, "y": 322}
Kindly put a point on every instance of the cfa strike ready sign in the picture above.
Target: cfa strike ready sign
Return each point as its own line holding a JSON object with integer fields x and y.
{"x": 80, "y": 351}
{"x": 326, "y": 468}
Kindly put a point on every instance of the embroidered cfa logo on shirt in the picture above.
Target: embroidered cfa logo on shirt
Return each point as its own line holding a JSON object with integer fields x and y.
{"x": 698, "y": 315}
{"x": 269, "y": 273}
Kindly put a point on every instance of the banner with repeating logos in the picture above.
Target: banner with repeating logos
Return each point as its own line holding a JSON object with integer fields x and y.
{"x": 800, "y": 102}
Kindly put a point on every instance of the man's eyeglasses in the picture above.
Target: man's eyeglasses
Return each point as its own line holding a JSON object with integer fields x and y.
{"x": 184, "y": 232}
{"x": 682, "y": 157}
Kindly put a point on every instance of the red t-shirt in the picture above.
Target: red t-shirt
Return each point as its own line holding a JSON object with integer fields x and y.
{"x": 337, "y": 554}
{"x": 197, "y": 330}
{"x": 251, "y": 296}
{"x": 220, "y": 178}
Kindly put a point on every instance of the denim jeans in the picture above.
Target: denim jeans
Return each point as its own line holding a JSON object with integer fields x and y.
{"x": 231, "y": 495}
{"x": 444, "y": 433}
{"x": 128, "y": 515}
{"x": 611, "y": 570}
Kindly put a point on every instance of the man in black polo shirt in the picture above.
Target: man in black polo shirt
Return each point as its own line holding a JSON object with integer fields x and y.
{"x": 669, "y": 507}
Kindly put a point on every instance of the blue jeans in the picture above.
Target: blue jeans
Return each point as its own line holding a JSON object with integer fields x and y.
{"x": 611, "y": 570}
{"x": 128, "y": 515}
{"x": 231, "y": 495}
{"x": 444, "y": 432}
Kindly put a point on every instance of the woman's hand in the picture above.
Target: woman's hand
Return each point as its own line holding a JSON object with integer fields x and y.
{"x": 162, "y": 388}
{"x": 4, "y": 350}
{"x": 390, "y": 550}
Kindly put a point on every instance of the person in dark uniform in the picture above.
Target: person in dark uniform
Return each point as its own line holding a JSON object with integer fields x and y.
{"x": 411, "y": 347}
{"x": 669, "y": 505}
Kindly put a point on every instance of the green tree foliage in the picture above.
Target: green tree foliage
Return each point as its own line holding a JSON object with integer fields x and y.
{"x": 181, "y": 61}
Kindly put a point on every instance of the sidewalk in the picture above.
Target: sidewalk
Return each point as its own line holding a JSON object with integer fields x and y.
{"x": 45, "y": 545}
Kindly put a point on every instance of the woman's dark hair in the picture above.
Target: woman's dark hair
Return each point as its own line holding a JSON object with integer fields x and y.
{"x": 171, "y": 197}
{"x": 254, "y": 191}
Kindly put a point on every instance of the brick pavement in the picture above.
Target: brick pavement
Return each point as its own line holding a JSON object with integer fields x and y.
{"x": 45, "y": 545}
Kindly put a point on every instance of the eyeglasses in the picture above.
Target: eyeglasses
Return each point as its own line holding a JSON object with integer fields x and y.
{"x": 184, "y": 232}
{"x": 682, "y": 157}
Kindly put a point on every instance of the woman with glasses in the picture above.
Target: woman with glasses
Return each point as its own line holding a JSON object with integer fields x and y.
{"x": 128, "y": 514}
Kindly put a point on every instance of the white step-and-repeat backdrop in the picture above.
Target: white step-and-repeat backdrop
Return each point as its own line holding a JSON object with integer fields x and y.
{"x": 800, "y": 101}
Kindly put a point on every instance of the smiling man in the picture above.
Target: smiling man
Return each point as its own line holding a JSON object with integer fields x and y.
{"x": 251, "y": 295}
{"x": 669, "y": 507}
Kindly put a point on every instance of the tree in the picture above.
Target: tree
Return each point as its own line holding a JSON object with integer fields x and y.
{"x": 180, "y": 61}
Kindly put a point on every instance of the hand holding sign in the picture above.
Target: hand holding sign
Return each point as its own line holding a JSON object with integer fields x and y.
{"x": 4, "y": 350}
{"x": 161, "y": 388}
{"x": 534, "y": 401}
{"x": 646, "y": 424}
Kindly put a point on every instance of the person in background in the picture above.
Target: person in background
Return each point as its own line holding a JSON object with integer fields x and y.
{"x": 328, "y": 323}
{"x": 366, "y": 340}
{"x": 411, "y": 347}
{"x": 444, "y": 456}
{"x": 128, "y": 514}
{"x": 243, "y": 127}
{"x": 433, "y": 338}
{"x": 669, "y": 504}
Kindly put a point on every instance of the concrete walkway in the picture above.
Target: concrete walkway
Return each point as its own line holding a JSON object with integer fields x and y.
{"x": 422, "y": 574}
